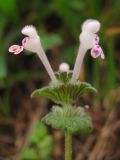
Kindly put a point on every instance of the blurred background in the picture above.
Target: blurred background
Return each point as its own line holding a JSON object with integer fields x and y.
{"x": 22, "y": 136}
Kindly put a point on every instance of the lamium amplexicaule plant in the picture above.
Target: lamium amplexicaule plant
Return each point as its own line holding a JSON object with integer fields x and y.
{"x": 65, "y": 87}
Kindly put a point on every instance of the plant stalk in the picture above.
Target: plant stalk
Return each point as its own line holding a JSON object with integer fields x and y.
{"x": 68, "y": 146}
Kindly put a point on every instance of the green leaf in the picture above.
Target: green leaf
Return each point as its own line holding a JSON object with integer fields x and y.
{"x": 67, "y": 14}
{"x": 3, "y": 22}
{"x": 69, "y": 54}
{"x": 8, "y": 7}
{"x": 64, "y": 93}
{"x": 3, "y": 67}
{"x": 50, "y": 40}
{"x": 41, "y": 144}
{"x": 73, "y": 124}
{"x": 46, "y": 147}
{"x": 39, "y": 133}
{"x": 29, "y": 153}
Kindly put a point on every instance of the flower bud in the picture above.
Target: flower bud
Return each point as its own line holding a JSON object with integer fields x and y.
{"x": 64, "y": 67}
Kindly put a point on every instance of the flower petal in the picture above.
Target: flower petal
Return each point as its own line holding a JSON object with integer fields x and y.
{"x": 97, "y": 39}
{"x": 24, "y": 41}
{"x": 30, "y": 31}
{"x": 91, "y": 26}
{"x": 102, "y": 55}
{"x": 96, "y": 51}
{"x": 32, "y": 44}
{"x": 13, "y": 48}
{"x": 16, "y": 49}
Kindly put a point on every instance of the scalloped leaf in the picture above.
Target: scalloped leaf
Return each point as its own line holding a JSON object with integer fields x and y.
{"x": 64, "y": 93}
{"x": 74, "y": 124}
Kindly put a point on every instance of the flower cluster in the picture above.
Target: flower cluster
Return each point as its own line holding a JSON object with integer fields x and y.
{"x": 88, "y": 40}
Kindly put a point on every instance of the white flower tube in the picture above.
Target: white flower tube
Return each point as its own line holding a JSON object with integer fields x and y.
{"x": 88, "y": 39}
{"x": 33, "y": 44}
{"x": 78, "y": 63}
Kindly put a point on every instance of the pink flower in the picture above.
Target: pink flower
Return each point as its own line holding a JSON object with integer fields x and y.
{"x": 97, "y": 39}
{"x": 32, "y": 43}
{"x": 97, "y": 51}
{"x": 24, "y": 41}
{"x": 16, "y": 49}
{"x": 88, "y": 40}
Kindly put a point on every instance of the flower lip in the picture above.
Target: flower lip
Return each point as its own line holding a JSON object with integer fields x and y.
{"x": 15, "y": 49}
{"x": 96, "y": 51}
{"x": 30, "y": 31}
{"x": 24, "y": 41}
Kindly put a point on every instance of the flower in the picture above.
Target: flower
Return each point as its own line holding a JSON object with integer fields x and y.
{"x": 88, "y": 35}
{"x": 64, "y": 67}
{"x": 88, "y": 40}
{"x": 91, "y": 25}
{"x": 96, "y": 51}
{"x": 32, "y": 43}
{"x": 30, "y": 31}
{"x": 16, "y": 49}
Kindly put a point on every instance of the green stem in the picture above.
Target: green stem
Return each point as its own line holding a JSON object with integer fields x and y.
{"x": 68, "y": 146}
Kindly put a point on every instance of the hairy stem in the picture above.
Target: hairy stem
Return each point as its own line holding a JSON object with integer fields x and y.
{"x": 68, "y": 146}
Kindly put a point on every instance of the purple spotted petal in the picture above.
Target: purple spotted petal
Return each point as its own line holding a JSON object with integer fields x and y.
{"x": 16, "y": 49}
{"x": 96, "y": 51}
{"x": 24, "y": 41}
{"x": 97, "y": 39}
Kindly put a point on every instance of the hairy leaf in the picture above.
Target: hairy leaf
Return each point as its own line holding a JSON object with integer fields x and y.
{"x": 73, "y": 124}
{"x": 64, "y": 93}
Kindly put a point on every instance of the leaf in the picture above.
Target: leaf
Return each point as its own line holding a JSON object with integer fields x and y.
{"x": 67, "y": 14}
{"x": 8, "y": 7}
{"x": 73, "y": 124}
{"x": 3, "y": 65}
{"x": 64, "y": 93}
{"x": 46, "y": 147}
{"x": 41, "y": 144}
{"x": 29, "y": 153}
{"x": 49, "y": 40}
{"x": 69, "y": 54}
{"x": 39, "y": 134}
{"x": 3, "y": 23}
